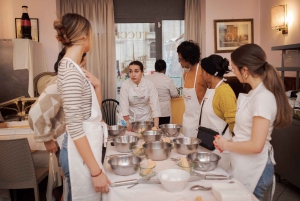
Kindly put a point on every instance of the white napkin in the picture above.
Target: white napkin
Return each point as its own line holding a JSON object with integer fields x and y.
{"x": 230, "y": 192}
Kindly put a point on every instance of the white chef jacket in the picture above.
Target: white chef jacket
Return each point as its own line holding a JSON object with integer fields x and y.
{"x": 165, "y": 89}
{"x": 127, "y": 106}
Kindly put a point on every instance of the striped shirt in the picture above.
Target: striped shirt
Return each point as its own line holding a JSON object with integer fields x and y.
{"x": 76, "y": 96}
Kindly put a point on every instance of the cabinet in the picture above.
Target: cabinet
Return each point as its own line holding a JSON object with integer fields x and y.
{"x": 294, "y": 60}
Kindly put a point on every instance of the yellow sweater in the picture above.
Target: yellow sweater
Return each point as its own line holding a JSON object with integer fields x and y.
{"x": 224, "y": 104}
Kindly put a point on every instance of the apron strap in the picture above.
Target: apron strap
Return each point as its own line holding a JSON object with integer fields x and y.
{"x": 196, "y": 76}
{"x": 105, "y": 133}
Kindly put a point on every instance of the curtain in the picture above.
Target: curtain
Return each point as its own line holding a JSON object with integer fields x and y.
{"x": 101, "y": 60}
{"x": 192, "y": 20}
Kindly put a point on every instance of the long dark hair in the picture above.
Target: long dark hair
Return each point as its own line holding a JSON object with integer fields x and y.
{"x": 253, "y": 57}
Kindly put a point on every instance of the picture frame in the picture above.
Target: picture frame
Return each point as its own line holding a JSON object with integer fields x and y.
{"x": 230, "y": 34}
{"x": 34, "y": 28}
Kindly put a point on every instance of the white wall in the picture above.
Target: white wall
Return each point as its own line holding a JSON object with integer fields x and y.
{"x": 270, "y": 37}
{"x": 44, "y": 10}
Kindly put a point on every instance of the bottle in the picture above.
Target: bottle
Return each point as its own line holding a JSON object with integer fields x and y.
{"x": 25, "y": 24}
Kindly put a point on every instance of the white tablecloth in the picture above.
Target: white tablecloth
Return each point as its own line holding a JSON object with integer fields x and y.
{"x": 28, "y": 54}
{"x": 17, "y": 133}
{"x": 150, "y": 192}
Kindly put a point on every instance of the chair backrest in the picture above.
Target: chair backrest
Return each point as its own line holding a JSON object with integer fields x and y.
{"x": 16, "y": 165}
{"x": 109, "y": 110}
{"x": 40, "y": 82}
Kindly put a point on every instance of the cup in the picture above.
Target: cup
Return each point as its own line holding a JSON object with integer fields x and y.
{"x": 144, "y": 170}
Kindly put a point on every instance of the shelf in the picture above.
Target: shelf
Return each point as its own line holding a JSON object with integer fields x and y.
{"x": 287, "y": 47}
{"x": 288, "y": 68}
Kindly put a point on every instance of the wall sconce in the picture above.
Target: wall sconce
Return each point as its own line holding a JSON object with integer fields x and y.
{"x": 278, "y": 18}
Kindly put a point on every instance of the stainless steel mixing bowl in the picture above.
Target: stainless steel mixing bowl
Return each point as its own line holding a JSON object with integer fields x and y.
{"x": 157, "y": 151}
{"x": 139, "y": 126}
{"x": 152, "y": 136}
{"x": 125, "y": 143}
{"x": 186, "y": 145}
{"x": 116, "y": 130}
{"x": 124, "y": 165}
{"x": 170, "y": 130}
{"x": 204, "y": 161}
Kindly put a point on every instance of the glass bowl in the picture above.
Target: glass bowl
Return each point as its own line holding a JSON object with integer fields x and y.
{"x": 144, "y": 170}
{"x": 189, "y": 169}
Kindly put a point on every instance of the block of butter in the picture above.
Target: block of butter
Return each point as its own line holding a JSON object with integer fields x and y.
{"x": 166, "y": 139}
{"x": 147, "y": 167}
{"x": 230, "y": 192}
{"x": 184, "y": 163}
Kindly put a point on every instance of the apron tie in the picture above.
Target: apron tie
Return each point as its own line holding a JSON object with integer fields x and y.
{"x": 105, "y": 133}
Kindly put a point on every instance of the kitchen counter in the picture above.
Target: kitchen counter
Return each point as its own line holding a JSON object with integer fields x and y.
{"x": 150, "y": 192}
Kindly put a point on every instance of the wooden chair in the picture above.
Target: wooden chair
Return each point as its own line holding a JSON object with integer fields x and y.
{"x": 109, "y": 110}
{"x": 39, "y": 82}
{"x": 17, "y": 169}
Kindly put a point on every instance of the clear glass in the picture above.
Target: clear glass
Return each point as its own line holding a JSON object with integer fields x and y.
{"x": 134, "y": 41}
{"x": 172, "y": 36}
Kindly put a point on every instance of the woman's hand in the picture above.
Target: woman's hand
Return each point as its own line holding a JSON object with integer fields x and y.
{"x": 94, "y": 81}
{"x": 51, "y": 146}
{"x": 128, "y": 125}
{"x": 220, "y": 142}
{"x": 101, "y": 183}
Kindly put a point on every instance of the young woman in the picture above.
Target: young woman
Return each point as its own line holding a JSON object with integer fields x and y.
{"x": 219, "y": 101}
{"x": 258, "y": 112}
{"x": 194, "y": 87}
{"x": 139, "y": 98}
{"x": 85, "y": 133}
{"x": 165, "y": 88}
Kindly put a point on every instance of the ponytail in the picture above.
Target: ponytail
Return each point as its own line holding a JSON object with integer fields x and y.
{"x": 273, "y": 83}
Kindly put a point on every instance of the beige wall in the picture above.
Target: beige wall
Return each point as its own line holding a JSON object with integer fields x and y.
{"x": 270, "y": 37}
{"x": 44, "y": 10}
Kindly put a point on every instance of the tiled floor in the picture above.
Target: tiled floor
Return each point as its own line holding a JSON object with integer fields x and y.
{"x": 285, "y": 191}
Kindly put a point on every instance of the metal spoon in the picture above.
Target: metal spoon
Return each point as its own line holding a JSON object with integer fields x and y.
{"x": 198, "y": 187}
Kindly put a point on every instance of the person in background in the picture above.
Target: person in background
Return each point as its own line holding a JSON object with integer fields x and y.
{"x": 81, "y": 104}
{"x": 194, "y": 87}
{"x": 50, "y": 127}
{"x": 219, "y": 102}
{"x": 165, "y": 88}
{"x": 138, "y": 97}
{"x": 258, "y": 112}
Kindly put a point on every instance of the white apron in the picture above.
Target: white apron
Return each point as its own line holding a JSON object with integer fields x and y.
{"x": 191, "y": 114}
{"x": 96, "y": 132}
{"x": 248, "y": 168}
{"x": 214, "y": 122}
{"x": 139, "y": 108}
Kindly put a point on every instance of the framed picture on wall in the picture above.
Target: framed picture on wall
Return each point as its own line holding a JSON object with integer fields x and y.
{"x": 34, "y": 28}
{"x": 231, "y": 34}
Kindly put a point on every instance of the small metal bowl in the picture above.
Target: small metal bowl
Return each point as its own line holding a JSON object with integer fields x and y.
{"x": 186, "y": 145}
{"x": 170, "y": 130}
{"x": 124, "y": 165}
{"x": 139, "y": 126}
{"x": 125, "y": 143}
{"x": 204, "y": 161}
{"x": 157, "y": 151}
{"x": 152, "y": 136}
{"x": 116, "y": 130}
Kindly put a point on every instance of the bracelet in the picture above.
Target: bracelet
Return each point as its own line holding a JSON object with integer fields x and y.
{"x": 97, "y": 174}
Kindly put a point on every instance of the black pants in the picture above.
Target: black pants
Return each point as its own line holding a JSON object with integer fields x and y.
{"x": 164, "y": 120}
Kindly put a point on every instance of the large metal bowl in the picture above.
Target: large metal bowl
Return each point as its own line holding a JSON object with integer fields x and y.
{"x": 139, "y": 126}
{"x": 116, "y": 130}
{"x": 125, "y": 143}
{"x": 170, "y": 130}
{"x": 157, "y": 151}
{"x": 204, "y": 161}
{"x": 124, "y": 165}
{"x": 152, "y": 136}
{"x": 186, "y": 145}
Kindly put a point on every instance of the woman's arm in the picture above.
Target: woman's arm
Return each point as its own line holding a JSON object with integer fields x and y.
{"x": 255, "y": 145}
{"x": 128, "y": 125}
{"x": 156, "y": 122}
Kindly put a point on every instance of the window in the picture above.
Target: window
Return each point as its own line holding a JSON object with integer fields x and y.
{"x": 152, "y": 50}
{"x": 152, "y": 27}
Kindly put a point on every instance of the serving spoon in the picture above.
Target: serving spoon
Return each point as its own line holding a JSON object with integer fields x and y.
{"x": 201, "y": 188}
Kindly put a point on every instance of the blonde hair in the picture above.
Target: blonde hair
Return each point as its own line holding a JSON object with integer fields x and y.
{"x": 71, "y": 28}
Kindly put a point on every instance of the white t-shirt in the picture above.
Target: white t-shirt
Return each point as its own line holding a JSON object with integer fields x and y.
{"x": 259, "y": 102}
{"x": 165, "y": 89}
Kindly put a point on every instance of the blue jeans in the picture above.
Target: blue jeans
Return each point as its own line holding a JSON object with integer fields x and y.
{"x": 265, "y": 180}
{"x": 64, "y": 162}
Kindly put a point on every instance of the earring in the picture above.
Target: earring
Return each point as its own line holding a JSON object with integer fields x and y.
{"x": 245, "y": 75}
